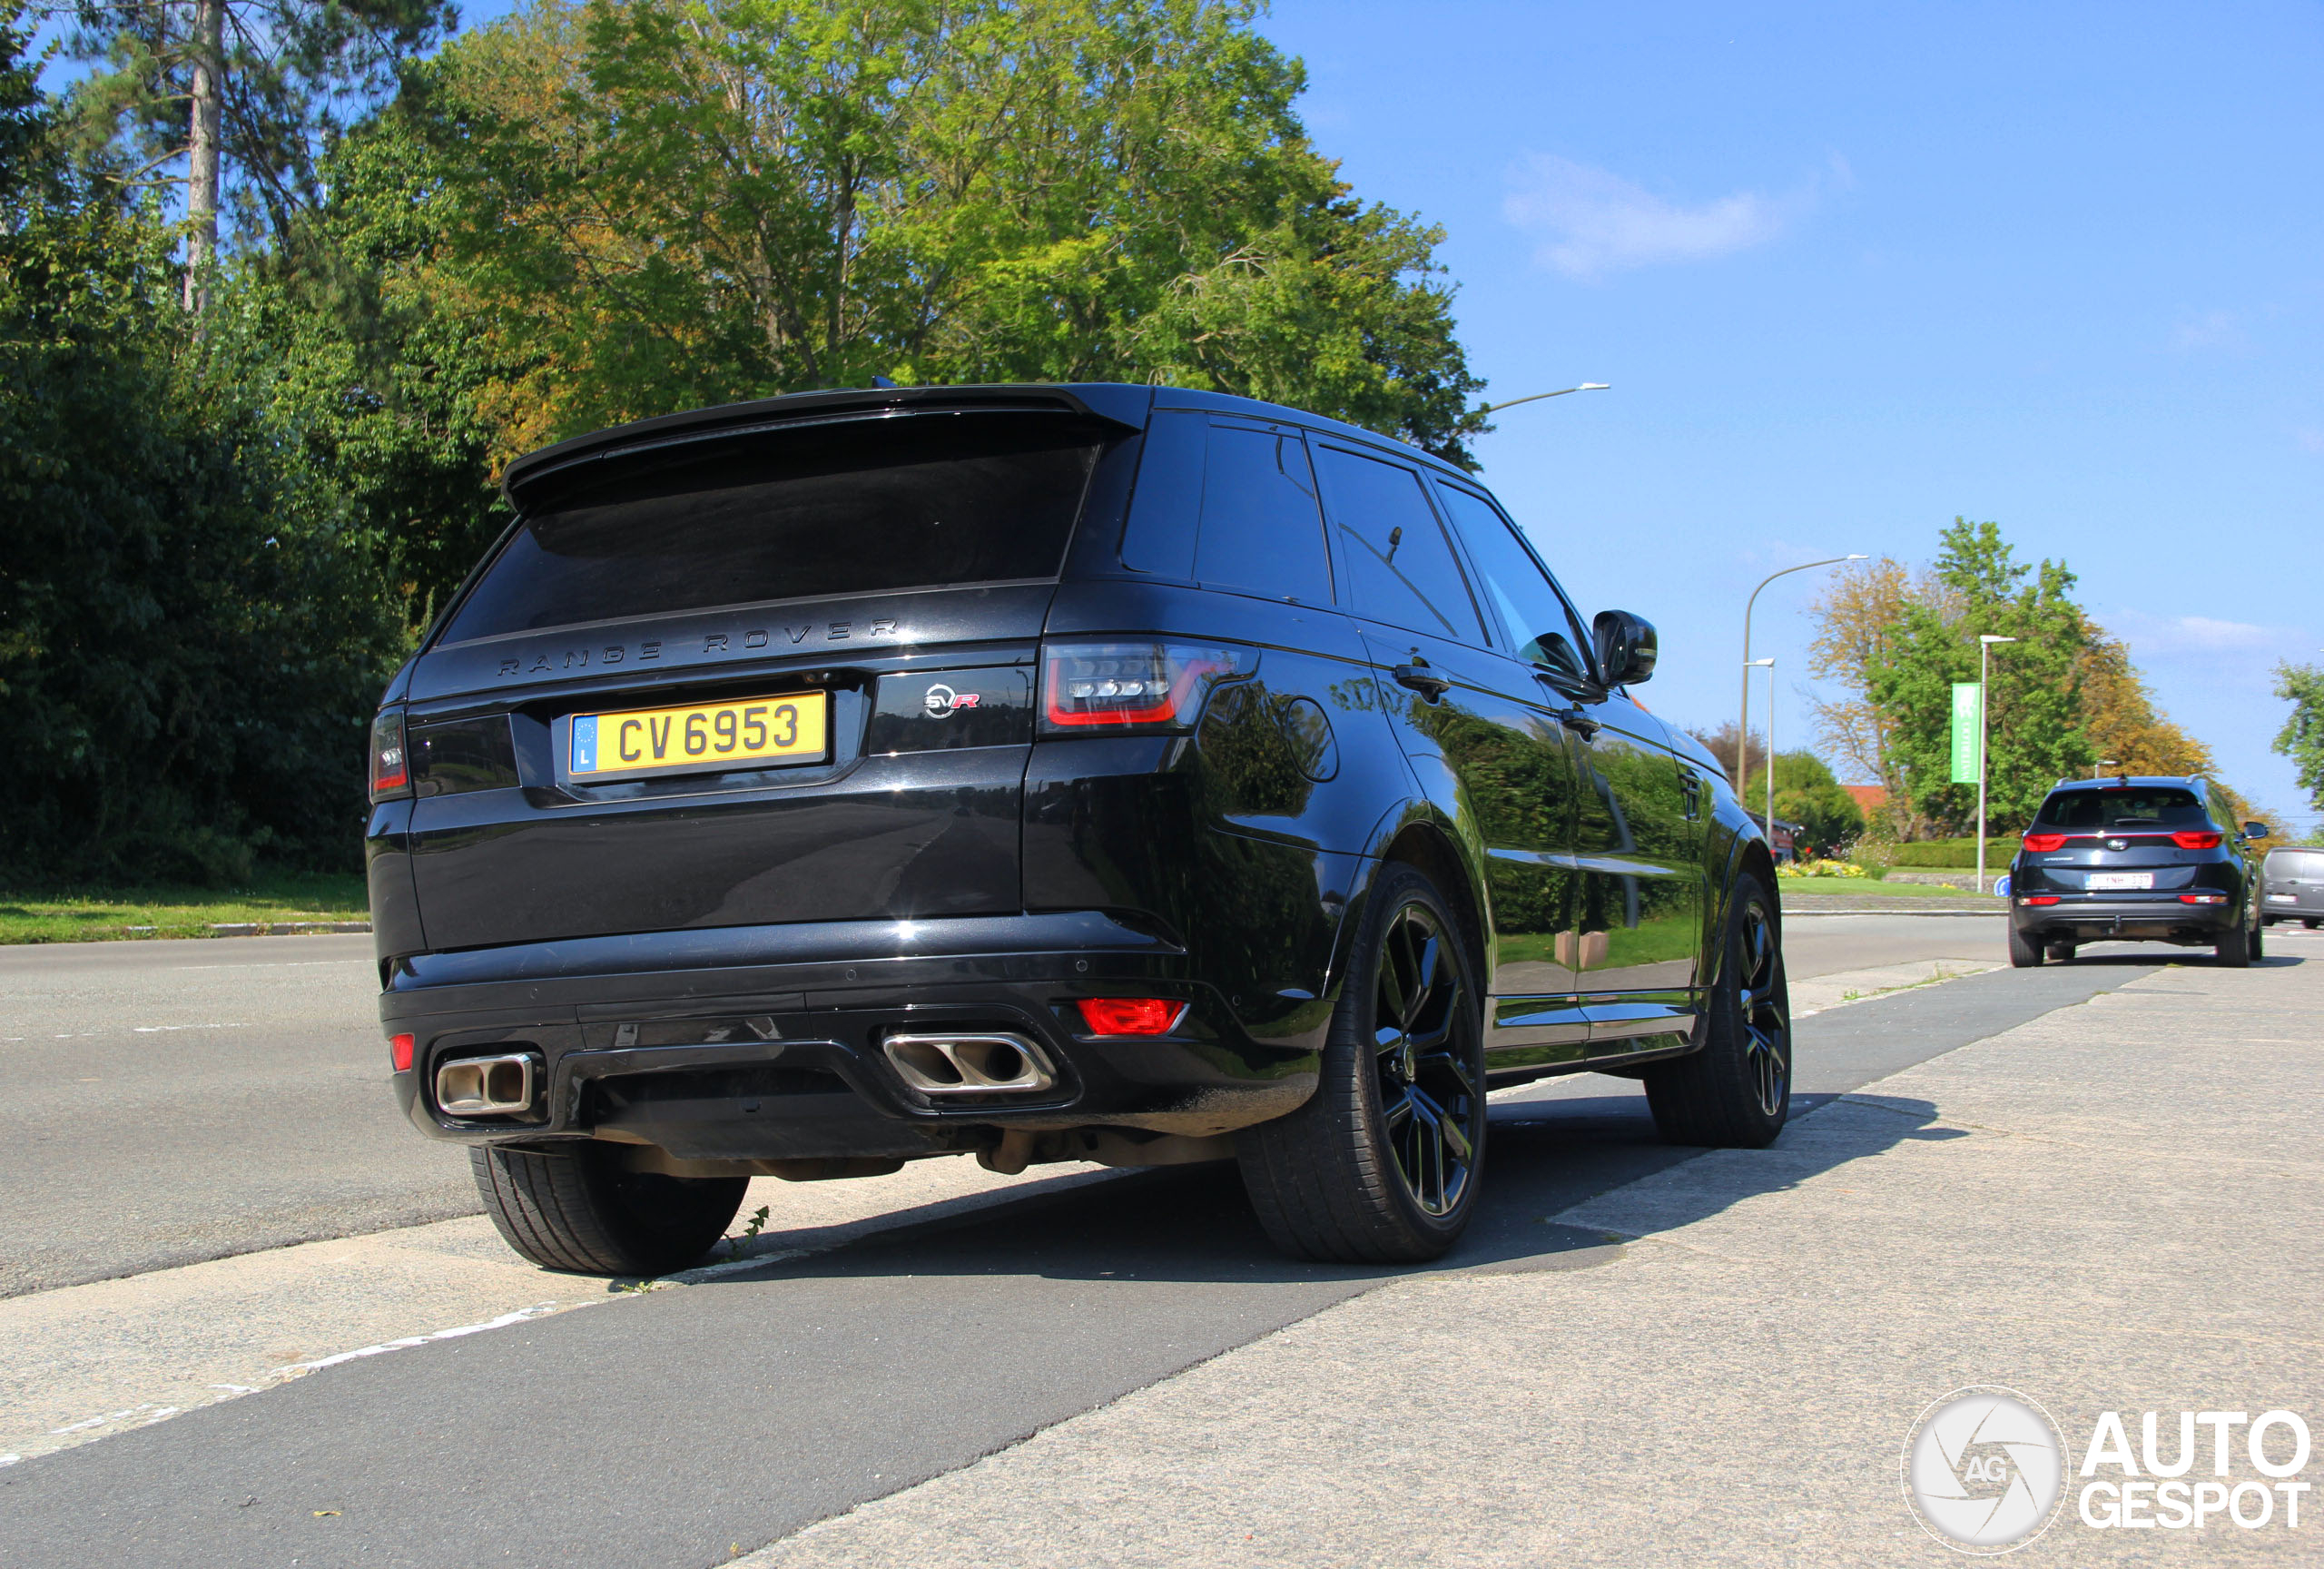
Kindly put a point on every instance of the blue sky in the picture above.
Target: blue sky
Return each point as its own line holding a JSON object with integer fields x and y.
{"x": 1854, "y": 270}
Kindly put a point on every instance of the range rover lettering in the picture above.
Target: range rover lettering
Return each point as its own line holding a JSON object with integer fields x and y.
{"x": 1038, "y": 774}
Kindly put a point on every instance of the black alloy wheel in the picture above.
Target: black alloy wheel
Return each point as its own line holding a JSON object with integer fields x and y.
{"x": 1384, "y": 1163}
{"x": 1431, "y": 1100}
{"x": 1734, "y": 1091}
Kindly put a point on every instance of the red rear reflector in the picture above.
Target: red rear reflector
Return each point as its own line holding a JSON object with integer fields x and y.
{"x": 400, "y": 1050}
{"x": 2039, "y": 899}
{"x": 2196, "y": 839}
{"x": 2039, "y": 843}
{"x": 2203, "y": 898}
{"x": 1130, "y": 1015}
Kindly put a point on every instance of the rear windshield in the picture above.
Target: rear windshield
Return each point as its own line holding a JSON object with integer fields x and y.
{"x": 2296, "y": 863}
{"x": 845, "y": 509}
{"x": 2132, "y": 808}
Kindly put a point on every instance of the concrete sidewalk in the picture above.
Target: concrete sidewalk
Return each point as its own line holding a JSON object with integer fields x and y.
{"x": 2112, "y": 1209}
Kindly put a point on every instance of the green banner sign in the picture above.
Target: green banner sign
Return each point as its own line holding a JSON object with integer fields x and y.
{"x": 1968, "y": 730}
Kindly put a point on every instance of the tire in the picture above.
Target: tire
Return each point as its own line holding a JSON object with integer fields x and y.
{"x": 2024, "y": 953}
{"x": 578, "y": 1211}
{"x": 1734, "y": 1091}
{"x": 2259, "y": 946}
{"x": 2234, "y": 949}
{"x": 2311, "y": 925}
{"x": 1382, "y": 1163}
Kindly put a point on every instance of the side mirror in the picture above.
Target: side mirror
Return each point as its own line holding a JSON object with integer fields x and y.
{"x": 2255, "y": 830}
{"x": 1626, "y": 646}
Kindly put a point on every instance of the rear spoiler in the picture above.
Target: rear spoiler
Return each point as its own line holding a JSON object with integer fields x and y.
{"x": 536, "y": 475}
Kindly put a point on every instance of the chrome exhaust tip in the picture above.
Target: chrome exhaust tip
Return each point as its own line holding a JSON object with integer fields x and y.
{"x": 971, "y": 1064}
{"x": 488, "y": 1086}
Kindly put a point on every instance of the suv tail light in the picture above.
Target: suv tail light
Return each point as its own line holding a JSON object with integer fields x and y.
{"x": 1133, "y": 685}
{"x": 2039, "y": 843}
{"x": 391, "y": 763}
{"x": 2197, "y": 838}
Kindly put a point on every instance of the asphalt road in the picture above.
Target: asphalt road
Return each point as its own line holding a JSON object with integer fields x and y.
{"x": 675, "y": 1427}
{"x": 165, "y": 1102}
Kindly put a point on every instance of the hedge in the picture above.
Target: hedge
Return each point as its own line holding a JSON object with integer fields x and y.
{"x": 1953, "y": 854}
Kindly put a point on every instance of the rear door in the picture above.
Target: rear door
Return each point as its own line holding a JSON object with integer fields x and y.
{"x": 1512, "y": 767}
{"x": 1631, "y": 934}
{"x": 779, "y": 677}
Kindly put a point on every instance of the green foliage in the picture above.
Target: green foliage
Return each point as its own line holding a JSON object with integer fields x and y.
{"x": 295, "y": 73}
{"x": 1808, "y": 793}
{"x": 1953, "y": 854}
{"x": 188, "y": 645}
{"x": 2035, "y": 709}
{"x": 665, "y": 204}
{"x": 2302, "y": 737}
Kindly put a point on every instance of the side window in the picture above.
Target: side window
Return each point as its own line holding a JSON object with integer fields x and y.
{"x": 1400, "y": 566}
{"x": 1261, "y": 530}
{"x": 1529, "y": 604}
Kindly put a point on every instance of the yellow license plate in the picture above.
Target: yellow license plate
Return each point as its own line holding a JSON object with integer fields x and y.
{"x": 703, "y": 736}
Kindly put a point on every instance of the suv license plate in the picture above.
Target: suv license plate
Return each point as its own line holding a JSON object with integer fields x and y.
{"x": 703, "y": 736}
{"x": 2100, "y": 880}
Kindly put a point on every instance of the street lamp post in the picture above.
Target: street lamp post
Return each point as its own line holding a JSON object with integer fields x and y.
{"x": 1484, "y": 408}
{"x": 1985, "y": 641}
{"x": 1770, "y": 823}
{"x": 1743, "y": 716}
{"x": 2098, "y": 769}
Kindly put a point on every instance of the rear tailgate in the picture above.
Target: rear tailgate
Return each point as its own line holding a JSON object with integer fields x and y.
{"x": 906, "y": 805}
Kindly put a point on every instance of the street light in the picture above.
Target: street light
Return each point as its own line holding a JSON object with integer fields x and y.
{"x": 1770, "y": 823}
{"x": 1485, "y": 409}
{"x": 2098, "y": 770}
{"x": 1985, "y": 641}
{"x": 1743, "y": 716}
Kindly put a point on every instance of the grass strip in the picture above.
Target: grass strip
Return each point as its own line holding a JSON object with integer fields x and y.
{"x": 108, "y": 914}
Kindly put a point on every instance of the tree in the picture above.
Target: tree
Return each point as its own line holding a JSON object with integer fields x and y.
{"x": 1859, "y": 617}
{"x": 1808, "y": 793}
{"x": 664, "y": 203}
{"x": 234, "y": 102}
{"x": 188, "y": 645}
{"x": 2302, "y": 737}
{"x": 1721, "y": 746}
{"x": 2121, "y": 720}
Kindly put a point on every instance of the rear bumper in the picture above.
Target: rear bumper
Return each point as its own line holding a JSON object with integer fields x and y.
{"x": 2302, "y": 906}
{"x": 764, "y": 1042}
{"x": 2099, "y": 918}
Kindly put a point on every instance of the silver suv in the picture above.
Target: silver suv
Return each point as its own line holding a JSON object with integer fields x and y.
{"x": 2292, "y": 887}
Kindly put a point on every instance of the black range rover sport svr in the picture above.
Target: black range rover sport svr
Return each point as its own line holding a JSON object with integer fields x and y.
{"x": 1040, "y": 772}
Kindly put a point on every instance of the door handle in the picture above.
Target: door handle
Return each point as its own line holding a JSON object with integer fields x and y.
{"x": 1422, "y": 680}
{"x": 1579, "y": 723}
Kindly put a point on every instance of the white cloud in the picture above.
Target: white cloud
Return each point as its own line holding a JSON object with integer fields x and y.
{"x": 2211, "y": 329}
{"x": 1591, "y": 222}
{"x": 2160, "y": 635}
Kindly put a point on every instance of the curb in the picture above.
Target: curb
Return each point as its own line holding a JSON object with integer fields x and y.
{"x": 263, "y": 928}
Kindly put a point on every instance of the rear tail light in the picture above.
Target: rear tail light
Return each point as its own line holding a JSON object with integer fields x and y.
{"x": 2197, "y": 838}
{"x": 1133, "y": 685}
{"x": 400, "y": 1050}
{"x": 391, "y": 763}
{"x": 2041, "y": 842}
{"x": 1130, "y": 1015}
{"x": 2039, "y": 899}
{"x": 2203, "y": 898}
